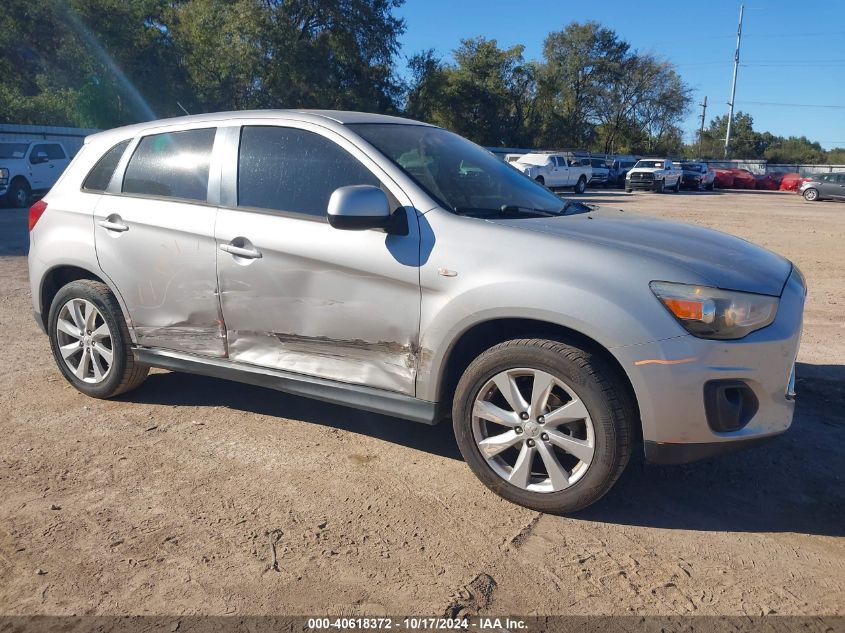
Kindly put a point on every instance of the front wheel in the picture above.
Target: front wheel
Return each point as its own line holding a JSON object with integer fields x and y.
{"x": 543, "y": 424}
{"x": 18, "y": 194}
{"x": 811, "y": 195}
{"x": 541, "y": 180}
{"x": 581, "y": 185}
{"x": 659, "y": 186}
{"x": 90, "y": 340}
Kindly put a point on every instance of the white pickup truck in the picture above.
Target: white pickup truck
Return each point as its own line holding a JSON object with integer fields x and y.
{"x": 654, "y": 174}
{"x": 29, "y": 167}
{"x": 559, "y": 169}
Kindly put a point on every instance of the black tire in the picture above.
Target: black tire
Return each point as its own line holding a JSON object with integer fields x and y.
{"x": 628, "y": 190}
{"x": 541, "y": 180}
{"x": 709, "y": 187}
{"x": 581, "y": 185}
{"x": 660, "y": 186}
{"x": 811, "y": 195}
{"x": 125, "y": 374}
{"x": 595, "y": 383}
{"x": 18, "y": 194}
{"x": 677, "y": 188}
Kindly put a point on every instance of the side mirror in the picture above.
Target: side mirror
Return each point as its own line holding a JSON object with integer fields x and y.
{"x": 358, "y": 207}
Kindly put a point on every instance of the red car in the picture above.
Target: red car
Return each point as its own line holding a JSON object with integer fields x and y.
{"x": 743, "y": 179}
{"x": 724, "y": 179}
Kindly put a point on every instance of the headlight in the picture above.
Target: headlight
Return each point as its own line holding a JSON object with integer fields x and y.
{"x": 713, "y": 313}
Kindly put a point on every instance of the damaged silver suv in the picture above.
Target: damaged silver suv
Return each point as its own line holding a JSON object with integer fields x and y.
{"x": 396, "y": 267}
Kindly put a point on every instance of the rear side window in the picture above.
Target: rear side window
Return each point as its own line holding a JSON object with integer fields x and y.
{"x": 171, "y": 165}
{"x": 99, "y": 177}
{"x": 290, "y": 170}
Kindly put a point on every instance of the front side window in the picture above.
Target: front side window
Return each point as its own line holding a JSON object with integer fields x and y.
{"x": 294, "y": 171}
{"x": 462, "y": 176}
{"x": 171, "y": 165}
{"x": 99, "y": 177}
{"x": 54, "y": 151}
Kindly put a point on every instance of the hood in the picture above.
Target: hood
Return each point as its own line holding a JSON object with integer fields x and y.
{"x": 646, "y": 170}
{"x": 721, "y": 260}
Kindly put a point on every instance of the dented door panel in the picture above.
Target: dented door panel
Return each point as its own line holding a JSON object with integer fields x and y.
{"x": 342, "y": 305}
{"x": 163, "y": 266}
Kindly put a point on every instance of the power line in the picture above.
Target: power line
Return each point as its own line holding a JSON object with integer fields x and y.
{"x": 795, "y": 105}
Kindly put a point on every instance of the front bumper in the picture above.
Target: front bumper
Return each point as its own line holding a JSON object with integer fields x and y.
{"x": 643, "y": 185}
{"x": 669, "y": 376}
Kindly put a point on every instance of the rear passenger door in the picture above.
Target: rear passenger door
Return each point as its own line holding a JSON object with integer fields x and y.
{"x": 154, "y": 231}
{"x": 299, "y": 295}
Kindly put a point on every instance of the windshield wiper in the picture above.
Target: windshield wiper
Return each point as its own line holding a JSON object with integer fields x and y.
{"x": 513, "y": 208}
{"x": 508, "y": 210}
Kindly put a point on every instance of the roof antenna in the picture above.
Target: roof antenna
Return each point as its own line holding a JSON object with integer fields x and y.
{"x": 183, "y": 108}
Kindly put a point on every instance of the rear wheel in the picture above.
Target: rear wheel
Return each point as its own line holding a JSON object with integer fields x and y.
{"x": 541, "y": 180}
{"x": 659, "y": 186}
{"x": 543, "y": 424}
{"x": 90, "y": 340}
{"x": 811, "y": 195}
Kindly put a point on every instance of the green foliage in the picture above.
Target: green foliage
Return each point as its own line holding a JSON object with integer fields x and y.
{"x": 104, "y": 63}
{"x": 590, "y": 91}
{"x": 750, "y": 144}
{"x": 486, "y": 95}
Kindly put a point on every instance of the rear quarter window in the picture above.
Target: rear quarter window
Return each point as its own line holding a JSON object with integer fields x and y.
{"x": 100, "y": 175}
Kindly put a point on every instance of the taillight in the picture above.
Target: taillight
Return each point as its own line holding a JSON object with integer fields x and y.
{"x": 35, "y": 213}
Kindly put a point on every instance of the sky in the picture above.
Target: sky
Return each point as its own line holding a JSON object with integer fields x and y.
{"x": 792, "y": 54}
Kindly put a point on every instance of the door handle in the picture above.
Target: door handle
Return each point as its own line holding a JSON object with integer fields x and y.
{"x": 240, "y": 251}
{"x": 112, "y": 225}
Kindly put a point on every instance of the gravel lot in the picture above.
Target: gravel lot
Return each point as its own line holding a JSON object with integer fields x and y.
{"x": 171, "y": 500}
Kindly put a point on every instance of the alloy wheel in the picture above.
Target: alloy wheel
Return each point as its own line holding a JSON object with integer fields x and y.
{"x": 533, "y": 430}
{"x": 85, "y": 341}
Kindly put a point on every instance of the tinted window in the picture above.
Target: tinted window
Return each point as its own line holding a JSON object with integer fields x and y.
{"x": 172, "y": 165}
{"x": 294, "y": 170}
{"x": 13, "y": 150}
{"x": 99, "y": 177}
{"x": 53, "y": 151}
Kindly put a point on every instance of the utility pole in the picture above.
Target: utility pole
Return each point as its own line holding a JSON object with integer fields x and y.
{"x": 701, "y": 129}
{"x": 733, "y": 84}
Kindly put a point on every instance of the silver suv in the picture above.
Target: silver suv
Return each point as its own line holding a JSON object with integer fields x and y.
{"x": 396, "y": 267}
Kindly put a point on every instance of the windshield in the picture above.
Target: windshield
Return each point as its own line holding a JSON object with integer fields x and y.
{"x": 650, "y": 164}
{"x": 462, "y": 176}
{"x": 534, "y": 159}
{"x": 691, "y": 166}
{"x": 13, "y": 150}
{"x": 597, "y": 162}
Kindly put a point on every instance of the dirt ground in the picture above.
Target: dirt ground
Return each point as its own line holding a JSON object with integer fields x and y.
{"x": 172, "y": 499}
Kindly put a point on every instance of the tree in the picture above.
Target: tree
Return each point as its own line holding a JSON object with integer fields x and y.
{"x": 486, "y": 95}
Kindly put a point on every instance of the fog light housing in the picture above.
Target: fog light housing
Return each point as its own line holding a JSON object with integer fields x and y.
{"x": 729, "y": 405}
